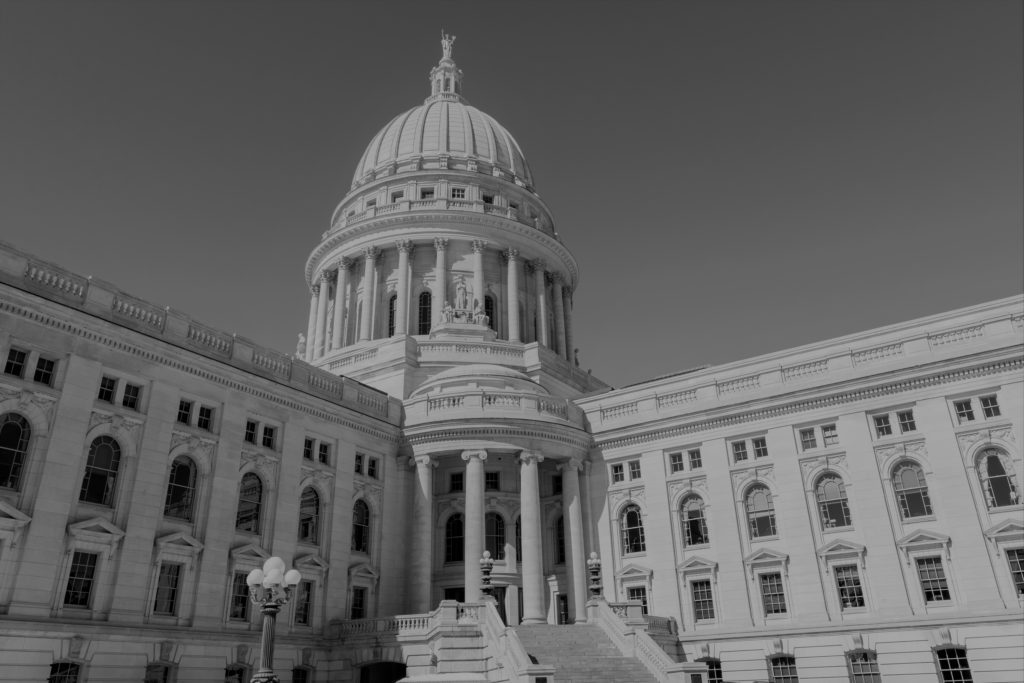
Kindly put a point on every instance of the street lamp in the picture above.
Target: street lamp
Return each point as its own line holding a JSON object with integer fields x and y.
{"x": 486, "y": 564}
{"x": 270, "y": 588}
{"x": 594, "y": 566}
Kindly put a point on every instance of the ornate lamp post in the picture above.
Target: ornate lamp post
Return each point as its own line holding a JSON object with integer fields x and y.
{"x": 594, "y": 567}
{"x": 270, "y": 588}
{"x": 486, "y": 564}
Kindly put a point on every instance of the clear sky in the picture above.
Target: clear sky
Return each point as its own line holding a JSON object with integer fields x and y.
{"x": 734, "y": 178}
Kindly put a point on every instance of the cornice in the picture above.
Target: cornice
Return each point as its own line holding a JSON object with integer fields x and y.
{"x": 467, "y": 430}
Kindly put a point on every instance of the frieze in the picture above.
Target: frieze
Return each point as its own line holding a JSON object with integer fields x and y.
{"x": 26, "y": 397}
{"x": 195, "y": 443}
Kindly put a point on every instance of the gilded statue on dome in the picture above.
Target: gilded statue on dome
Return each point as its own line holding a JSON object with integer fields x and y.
{"x": 446, "y": 44}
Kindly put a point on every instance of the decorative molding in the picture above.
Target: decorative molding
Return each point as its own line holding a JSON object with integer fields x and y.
{"x": 877, "y": 354}
{"x": 998, "y": 433}
{"x": 796, "y": 372}
{"x": 808, "y": 465}
{"x": 194, "y": 443}
{"x": 738, "y": 385}
{"x": 679, "y": 487}
{"x": 957, "y": 336}
{"x": 27, "y": 397}
{"x": 889, "y": 452}
{"x": 634, "y": 494}
{"x": 118, "y": 423}
{"x": 741, "y": 478}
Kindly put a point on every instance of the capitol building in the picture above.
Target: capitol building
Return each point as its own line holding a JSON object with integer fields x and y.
{"x": 848, "y": 510}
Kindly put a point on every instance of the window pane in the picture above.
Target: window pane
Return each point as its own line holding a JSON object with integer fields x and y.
{"x": 250, "y": 500}
{"x": 848, "y": 586}
{"x": 911, "y": 490}
{"x": 181, "y": 488}
{"x": 304, "y": 603}
{"x": 1015, "y": 557}
{"x": 863, "y": 667}
{"x": 907, "y": 422}
{"x": 309, "y": 516}
{"x": 80, "y": 580}
{"x": 238, "y": 608}
{"x": 101, "y": 471}
{"x": 933, "y": 579}
{"x": 14, "y": 436}
{"x": 632, "y": 528}
{"x": 167, "y": 589}
{"x": 695, "y": 462}
{"x": 782, "y": 669}
{"x": 953, "y": 666}
{"x": 494, "y": 540}
{"x": 361, "y": 527}
{"x": 772, "y": 595}
{"x": 63, "y": 672}
{"x": 882, "y": 425}
{"x": 703, "y": 602}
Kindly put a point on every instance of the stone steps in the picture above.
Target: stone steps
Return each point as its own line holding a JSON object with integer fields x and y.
{"x": 581, "y": 654}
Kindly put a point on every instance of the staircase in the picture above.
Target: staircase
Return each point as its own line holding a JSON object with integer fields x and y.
{"x": 581, "y": 654}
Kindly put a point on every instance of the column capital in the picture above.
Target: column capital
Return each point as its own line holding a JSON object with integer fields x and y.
{"x": 423, "y": 461}
{"x": 469, "y": 455}
{"x": 510, "y": 254}
{"x": 440, "y": 243}
{"x": 556, "y": 278}
{"x": 574, "y": 464}
{"x": 326, "y": 276}
{"x": 404, "y": 246}
{"x": 344, "y": 263}
{"x": 530, "y": 457}
{"x": 478, "y": 246}
{"x": 314, "y": 289}
{"x": 538, "y": 264}
{"x": 371, "y": 253}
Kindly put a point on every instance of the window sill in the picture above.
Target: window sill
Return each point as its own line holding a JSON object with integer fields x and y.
{"x": 836, "y": 529}
{"x": 696, "y": 546}
{"x": 638, "y": 553}
{"x": 916, "y": 520}
{"x": 1016, "y": 507}
{"x": 764, "y": 539}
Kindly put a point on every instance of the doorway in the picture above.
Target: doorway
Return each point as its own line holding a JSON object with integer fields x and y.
{"x": 382, "y": 672}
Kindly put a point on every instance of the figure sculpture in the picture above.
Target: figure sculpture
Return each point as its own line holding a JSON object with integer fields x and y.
{"x": 300, "y": 348}
{"x": 479, "y": 317}
{"x": 447, "y": 313}
{"x": 461, "y": 295}
{"x": 446, "y": 44}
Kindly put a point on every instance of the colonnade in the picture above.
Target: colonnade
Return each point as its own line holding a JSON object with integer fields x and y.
{"x": 330, "y": 325}
{"x": 531, "y": 562}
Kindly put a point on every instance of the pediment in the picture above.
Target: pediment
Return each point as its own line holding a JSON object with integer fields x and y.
{"x": 766, "y": 556}
{"x": 1007, "y": 530}
{"x": 250, "y": 552}
{"x": 364, "y": 570}
{"x": 923, "y": 539}
{"x": 179, "y": 541}
{"x": 311, "y": 562}
{"x": 633, "y": 571}
{"x": 696, "y": 564}
{"x": 839, "y": 547}
{"x": 95, "y": 529}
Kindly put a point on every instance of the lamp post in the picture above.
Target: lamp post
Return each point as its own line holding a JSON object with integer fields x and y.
{"x": 594, "y": 567}
{"x": 270, "y": 588}
{"x": 486, "y": 564}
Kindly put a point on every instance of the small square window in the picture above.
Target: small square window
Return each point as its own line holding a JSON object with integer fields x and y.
{"x": 488, "y": 198}
{"x": 397, "y": 196}
{"x": 268, "y": 436}
{"x": 427, "y": 193}
{"x": 458, "y": 193}
{"x": 964, "y": 411}
{"x": 906, "y": 420}
{"x": 618, "y": 474}
{"x": 556, "y": 484}
{"x": 882, "y": 426}
{"x": 807, "y": 440}
{"x": 184, "y": 412}
{"x": 634, "y": 469}
{"x": 250, "y": 431}
{"x": 638, "y": 594}
{"x": 359, "y": 463}
{"x": 324, "y": 454}
{"x": 455, "y": 482}
{"x": 1015, "y": 557}
{"x": 16, "y": 359}
{"x": 739, "y": 451}
{"x": 829, "y": 435}
{"x": 492, "y": 481}
{"x": 205, "y": 419}
{"x": 132, "y": 396}
{"x": 695, "y": 461}
{"x": 45, "y": 368}
{"x": 989, "y": 405}
{"x": 108, "y": 387}
{"x": 307, "y": 449}
{"x": 371, "y": 468}
{"x": 760, "y": 447}
{"x": 675, "y": 462}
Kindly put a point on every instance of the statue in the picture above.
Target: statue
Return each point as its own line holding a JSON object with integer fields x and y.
{"x": 461, "y": 296}
{"x": 479, "y": 317}
{"x": 300, "y": 348}
{"x": 446, "y": 44}
{"x": 447, "y": 314}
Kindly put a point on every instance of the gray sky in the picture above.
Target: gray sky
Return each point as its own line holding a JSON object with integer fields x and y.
{"x": 734, "y": 178}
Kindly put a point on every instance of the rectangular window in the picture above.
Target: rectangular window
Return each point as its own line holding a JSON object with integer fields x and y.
{"x": 848, "y": 585}
{"x": 492, "y": 481}
{"x": 45, "y": 368}
{"x": 80, "y": 579}
{"x": 618, "y": 474}
{"x": 397, "y": 196}
{"x": 370, "y": 203}
{"x": 458, "y": 193}
{"x": 371, "y": 468}
{"x": 772, "y": 595}
{"x": 675, "y": 462}
{"x": 427, "y": 193}
{"x": 455, "y": 482}
{"x": 16, "y": 359}
{"x": 634, "y": 469}
{"x": 324, "y": 454}
{"x": 807, "y": 440}
{"x": 488, "y": 198}
{"x": 695, "y": 462}
{"x": 953, "y": 665}
{"x": 184, "y": 412}
{"x": 739, "y": 451}
{"x": 108, "y": 387}
{"x": 782, "y": 669}
{"x": 359, "y": 463}
{"x": 964, "y": 411}
{"x": 304, "y": 603}
{"x": 703, "y": 602}
{"x": 300, "y": 675}
{"x": 1015, "y": 556}
{"x": 250, "y": 431}
{"x": 933, "y": 579}
{"x": 358, "y": 603}
{"x": 829, "y": 435}
{"x": 132, "y": 396}
{"x": 268, "y": 436}
{"x": 989, "y": 405}
{"x": 167, "y": 589}
{"x": 556, "y": 485}
{"x": 238, "y": 610}
{"x": 307, "y": 449}
{"x": 882, "y": 426}
{"x": 638, "y": 594}
{"x": 205, "y": 419}
{"x": 906, "y": 419}
{"x": 760, "y": 447}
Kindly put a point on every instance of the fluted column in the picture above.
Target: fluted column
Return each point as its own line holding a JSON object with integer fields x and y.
{"x": 402, "y": 305}
{"x": 556, "y": 295}
{"x": 421, "y": 558}
{"x": 478, "y": 274}
{"x": 542, "y": 302}
{"x": 321, "y": 314}
{"x": 474, "y": 528}
{"x": 572, "y": 520}
{"x": 440, "y": 280}
{"x": 369, "y": 278}
{"x": 570, "y": 349}
{"x": 533, "y": 573}
{"x": 513, "y": 295}
{"x": 314, "y": 294}
{"x": 339, "y": 303}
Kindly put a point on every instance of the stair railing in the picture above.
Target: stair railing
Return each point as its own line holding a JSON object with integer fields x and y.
{"x": 504, "y": 645}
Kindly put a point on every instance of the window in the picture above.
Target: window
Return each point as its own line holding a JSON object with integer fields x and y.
{"x": 997, "y": 478}
{"x": 205, "y": 420}
{"x": 829, "y": 435}
{"x": 101, "y": 471}
{"x": 371, "y": 468}
{"x": 424, "y": 314}
{"x": 108, "y": 387}
{"x": 181, "y": 489}
{"x": 370, "y": 203}
{"x": 675, "y": 462}
{"x": 989, "y": 405}
{"x": 703, "y": 601}
{"x": 361, "y": 527}
{"x": 236, "y": 673}
{"x": 309, "y": 516}
{"x": 882, "y": 426}
{"x": 714, "y": 669}
{"x": 863, "y": 665}
{"x": 694, "y": 456}
{"x": 63, "y": 672}
{"x": 300, "y": 676}
{"x": 396, "y": 196}
{"x": 132, "y": 396}
{"x": 556, "y": 485}
{"x": 807, "y": 440}
{"x": 358, "y": 603}
{"x": 560, "y": 541}
{"x": 250, "y": 504}
{"x": 933, "y": 579}
{"x": 812, "y": 437}
{"x": 634, "y": 469}
{"x": 392, "y": 306}
{"x": 964, "y": 411}
{"x": 638, "y": 594}
{"x": 427, "y": 193}
{"x": 307, "y": 449}
{"x": 16, "y": 361}
{"x": 45, "y": 370}
{"x": 458, "y": 193}
{"x": 80, "y": 580}
{"x": 492, "y": 481}
{"x": 269, "y": 433}
{"x": 185, "y": 412}
{"x": 166, "y": 601}
{"x": 691, "y": 518}
{"x": 519, "y": 537}
{"x": 489, "y": 312}
{"x": 304, "y": 603}
{"x": 953, "y": 666}
{"x": 494, "y": 535}
{"x": 14, "y": 436}
{"x": 832, "y": 504}
{"x": 907, "y": 422}
{"x": 760, "y": 447}
{"x": 911, "y": 490}
{"x": 782, "y": 669}
{"x": 238, "y": 608}
{"x": 739, "y": 451}
{"x": 851, "y": 594}
{"x": 631, "y": 525}
{"x": 157, "y": 673}
{"x": 772, "y": 595}
{"x": 1015, "y": 556}
{"x": 760, "y": 512}
{"x": 618, "y": 474}
{"x": 453, "y": 539}
{"x": 359, "y": 463}
{"x": 488, "y": 198}
{"x": 250, "y": 431}
{"x": 455, "y": 482}
{"x": 324, "y": 453}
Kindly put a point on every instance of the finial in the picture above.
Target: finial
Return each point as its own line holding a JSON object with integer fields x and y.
{"x": 446, "y": 45}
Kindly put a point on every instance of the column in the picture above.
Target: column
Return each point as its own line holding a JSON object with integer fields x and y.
{"x": 314, "y": 293}
{"x": 533, "y": 573}
{"x": 421, "y": 559}
{"x": 556, "y": 294}
{"x": 369, "y": 278}
{"x": 474, "y": 527}
{"x": 440, "y": 279}
{"x": 542, "y": 303}
{"x": 321, "y": 314}
{"x": 402, "y": 305}
{"x": 513, "y": 294}
{"x": 339, "y": 302}
{"x": 572, "y": 519}
{"x": 478, "y": 274}
{"x": 567, "y": 307}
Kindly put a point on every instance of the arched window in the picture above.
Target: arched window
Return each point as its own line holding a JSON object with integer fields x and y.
{"x": 911, "y": 490}
{"x": 494, "y": 538}
{"x": 631, "y": 525}
{"x": 14, "y": 435}
{"x": 489, "y": 311}
{"x": 519, "y": 539}
{"x": 392, "y": 306}
{"x": 782, "y": 669}
{"x": 997, "y": 480}
{"x": 424, "y": 313}
{"x": 250, "y": 503}
{"x": 953, "y": 665}
{"x": 361, "y": 527}
{"x": 691, "y": 519}
{"x": 832, "y": 505}
{"x": 863, "y": 665}
{"x": 453, "y": 539}
{"x": 63, "y": 672}
{"x": 101, "y": 468}
{"x": 181, "y": 489}
{"x": 309, "y": 516}
{"x": 760, "y": 512}
{"x": 714, "y": 669}
{"x": 560, "y": 541}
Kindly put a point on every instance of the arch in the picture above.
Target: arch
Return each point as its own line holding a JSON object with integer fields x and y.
{"x": 179, "y": 502}
{"x": 454, "y": 538}
{"x": 997, "y": 476}
{"x": 250, "y": 503}
{"x": 392, "y": 308}
{"x": 360, "y": 526}
{"x": 692, "y": 521}
{"x": 833, "y": 507}
{"x": 15, "y": 433}
{"x": 101, "y": 468}
{"x": 309, "y": 516}
{"x": 631, "y": 528}
{"x": 911, "y": 489}
{"x": 760, "y": 511}
{"x": 424, "y": 312}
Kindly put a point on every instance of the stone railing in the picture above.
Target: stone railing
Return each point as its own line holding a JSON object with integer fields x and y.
{"x": 436, "y": 204}
{"x": 490, "y": 351}
{"x": 139, "y": 311}
{"x": 504, "y": 646}
{"x": 56, "y": 278}
{"x": 486, "y": 402}
{"x": 350, "y": 627}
